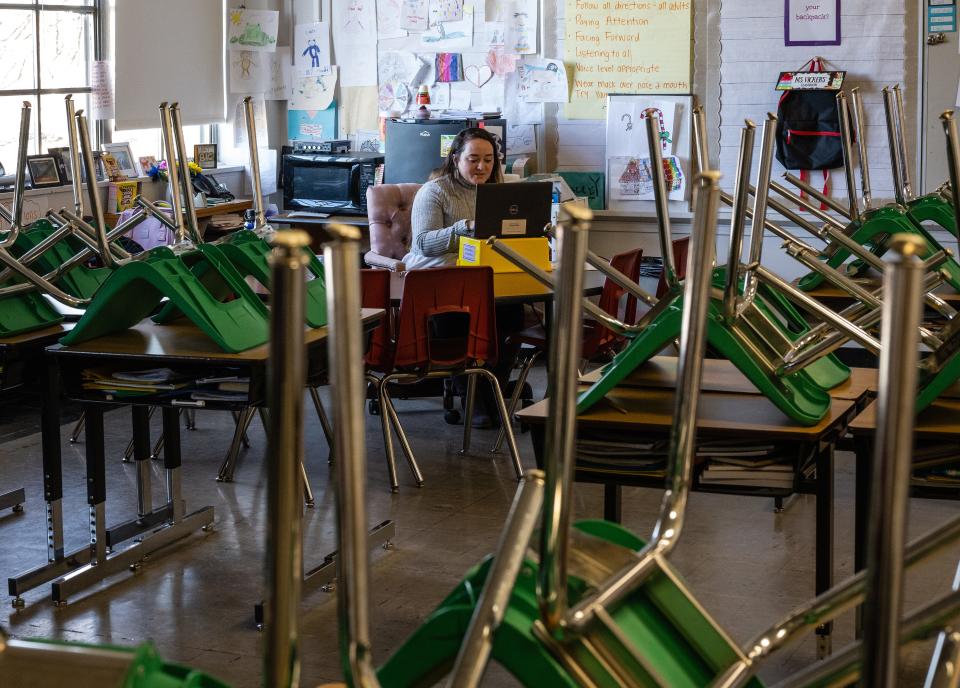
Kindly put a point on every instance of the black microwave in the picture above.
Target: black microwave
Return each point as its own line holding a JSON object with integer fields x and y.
{"x": 328, "y": 183}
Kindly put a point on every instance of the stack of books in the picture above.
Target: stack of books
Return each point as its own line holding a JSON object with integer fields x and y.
{"x": 746, "y": 464}
{"x": 133, "y": 383}
{"x": 623, "y": 458}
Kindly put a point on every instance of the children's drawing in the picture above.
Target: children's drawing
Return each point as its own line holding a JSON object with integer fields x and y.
{"x": 521, "y": 138}
{"x": 477, "y": 75}
{"x": 450, "y": 35}
{"x": 413, "y": 15}
{"x": 313, "y": 88}
{"x": 664, "y": 132}
{"x": 253, "y": 29}
{"x": 500, "y": 62}
{"x": 311, "y": 45}
{"x": 401, "y": 66}
{"x": 439, "y": 96}
{"x": 278, "y": 79}
{"x": 312, "y": 125}
{"x": 543, "y": 81}
{"x": 516, "y": 110}
{"x": 633, "y": 181}
{"x": 259, "y": 119}
{"x": 389, "y": 19}
{"x": 449, "y": 67}
{"x": 393, "y": 98}
{"x": 627, "y": 127}
{"x": 520, "y": 36}
{"x": 368, "y": 141}
{"x": 627, "y": 120}
{"x": 493, "y": 9}
{"x": 354, "y": 31}
{"x": 445, "y": 10}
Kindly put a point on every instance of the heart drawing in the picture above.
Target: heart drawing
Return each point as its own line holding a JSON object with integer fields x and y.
{"x": 477, "y": 75}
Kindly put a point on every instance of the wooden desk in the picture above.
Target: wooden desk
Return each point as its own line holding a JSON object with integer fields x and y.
{"x": 314, "y": 226}
{"x": 642, "y": 415}
{"x": 204, "y": 214}
{"x": 185, "y": 349}
{"x": 939, "y": 423}
{"x": 514, "y": 287}
{"x": 721, "y": 375}
{"x": 20, "y": 357}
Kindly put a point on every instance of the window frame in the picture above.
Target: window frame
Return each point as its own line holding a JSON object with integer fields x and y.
{"x": 94, "y": 10}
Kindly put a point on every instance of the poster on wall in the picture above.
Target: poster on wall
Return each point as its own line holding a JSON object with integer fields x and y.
{"x": 354, "y": 26}
{"x": 811, "y": 22}
{"x": 252, "y": 29}
{"x": 313, "y": 89}
{"x": 312, "y": 125}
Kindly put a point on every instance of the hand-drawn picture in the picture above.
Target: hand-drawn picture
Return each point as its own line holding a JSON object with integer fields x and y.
{"x": 313, "y": 88}
{"x": 389, "y": 18}
{"x": 253, "y": 29}
{"x": 502, "y": 62}
{"x": 520, "y": 35}
{"x": 632, "y": 182}
{"x": 664, "y": 132}
{"x": 543, "y": 81}
{"x": 359, "y": 17}
{"x": 521, "y": 138}
{"x": 632, "y": 179}
{"x": 477, "y": 74}
{"x": 627, "y": 119}
{"x": 311, "y": 45}
{"x": 393, "y": 97}
{"x": 398, "y": 65}
{"x": 312, "y": 125}
{"x": 450, "y": 35}
{"x": 449, "y": 67}
{"x": 439, "y": 96}
{"x": 368, "y": 141}
{"x": 413, "y": 15}
{"x": 278, "y": 75}
{"x": 445, "y": 10}
{"x": 246, "y": 72}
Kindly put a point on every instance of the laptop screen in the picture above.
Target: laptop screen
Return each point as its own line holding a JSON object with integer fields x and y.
{"x": 513, "y": 210}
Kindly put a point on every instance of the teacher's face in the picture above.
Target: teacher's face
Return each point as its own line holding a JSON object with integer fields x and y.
{"x": 475, "y": 161}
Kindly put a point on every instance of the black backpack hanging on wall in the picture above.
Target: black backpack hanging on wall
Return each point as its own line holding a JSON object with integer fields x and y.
{"x": 808, "y": 127}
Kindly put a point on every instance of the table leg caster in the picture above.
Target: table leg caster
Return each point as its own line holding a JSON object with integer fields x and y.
{"x": 17, "y": 603}
{"x": 388, "y": 545}
{"x": 207, "y": 528}
{"x": 60, "y": 603}
{"x": 135, "y": 567}
{"x": 310, "y": 504}
{"x": 18, "y": 508}
{"x": 329, "y": 587}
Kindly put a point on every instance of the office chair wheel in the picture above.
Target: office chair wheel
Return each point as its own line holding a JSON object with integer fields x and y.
{"x": 452, "y": 416}
{"x": 373, "y": 407}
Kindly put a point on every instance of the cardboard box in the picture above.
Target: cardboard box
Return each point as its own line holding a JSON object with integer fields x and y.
{"x": 479, "y": 252}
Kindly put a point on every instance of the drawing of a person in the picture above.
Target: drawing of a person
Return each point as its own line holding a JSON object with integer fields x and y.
{"x": 313, "y": 50}
{"x": 245, "y": 62}
{"x": 354, "y": 22}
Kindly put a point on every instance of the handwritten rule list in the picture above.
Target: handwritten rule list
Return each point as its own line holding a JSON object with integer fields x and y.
{"x": 625, "y": 46}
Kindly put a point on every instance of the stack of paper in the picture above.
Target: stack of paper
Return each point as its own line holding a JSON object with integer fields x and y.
{"x": 746, "y": 464}
{"x": 134, "y": 382}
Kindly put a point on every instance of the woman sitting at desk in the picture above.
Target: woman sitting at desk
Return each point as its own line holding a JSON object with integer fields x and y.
{"x": 444, "y": 208}
{"x": 443, "y": 211}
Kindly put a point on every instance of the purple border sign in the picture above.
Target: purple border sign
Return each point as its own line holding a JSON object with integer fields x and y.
{"x": 811, "y": 22}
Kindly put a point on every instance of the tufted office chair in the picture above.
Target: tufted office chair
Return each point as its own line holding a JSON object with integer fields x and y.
{"x": 388, "y": 209}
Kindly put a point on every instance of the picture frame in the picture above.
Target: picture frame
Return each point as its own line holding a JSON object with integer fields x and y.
{"x": 44, "y": 171}
{"x": 124, "y": 157}
{"x": 205, "y": 155}
{"x": 111, "y": 168}
{"x": 63, "y": 162}
{"x": 146, "y": 162}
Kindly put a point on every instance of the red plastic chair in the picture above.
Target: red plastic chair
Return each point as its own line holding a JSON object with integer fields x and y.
{"x": 597, "y": 339}
{"x": 446, "y": 327}
{"x": 680, "y": 247}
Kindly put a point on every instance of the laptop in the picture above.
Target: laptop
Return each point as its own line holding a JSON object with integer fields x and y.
{"x": 513, "y": 210}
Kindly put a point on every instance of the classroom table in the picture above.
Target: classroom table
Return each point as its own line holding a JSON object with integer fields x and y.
{"x": 183, "y": 347}
{"x": 20, "y": 359}
{"x": 638, "y": 415}
{"x": 939, "y": 422}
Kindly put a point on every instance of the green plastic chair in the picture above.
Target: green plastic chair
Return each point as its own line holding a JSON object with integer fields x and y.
{"x": 135, "y": 290}
{"x": 80, "y": 281}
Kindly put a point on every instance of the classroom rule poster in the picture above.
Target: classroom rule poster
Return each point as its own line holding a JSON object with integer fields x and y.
{"x": 625, "y": 46}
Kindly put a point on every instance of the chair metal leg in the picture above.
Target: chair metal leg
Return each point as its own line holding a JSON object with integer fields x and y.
{"x": 387, "y": 435}
{"x": 225, "y": 474}
{"x": 515, "y": 397}
{"x": 78, "y": 428}
{"x": 504, "y": 418}
{"x": 386, "y": 406}
{"x": 308, "y": 498}
{"x": 244, "y": 438}
{"x": 468, "y": 418}
{"x": 190, "y": 416}
{"x": 324, "y": 421}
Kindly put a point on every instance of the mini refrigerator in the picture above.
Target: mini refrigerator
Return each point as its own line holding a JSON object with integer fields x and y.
{"x": 415, "y": 147}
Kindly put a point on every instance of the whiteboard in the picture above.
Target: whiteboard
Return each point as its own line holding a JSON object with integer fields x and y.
{"x": 625, "y": 138}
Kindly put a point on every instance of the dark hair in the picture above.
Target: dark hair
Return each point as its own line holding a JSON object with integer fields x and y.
{"x": 449, "y": 168}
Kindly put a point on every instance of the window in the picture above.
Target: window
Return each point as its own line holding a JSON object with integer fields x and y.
{"x": 47, "y": 52}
